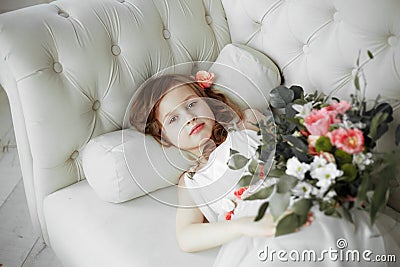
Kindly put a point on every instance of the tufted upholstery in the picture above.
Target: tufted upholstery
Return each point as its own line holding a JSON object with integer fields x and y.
{"x": 70, "y": 67}
{"x": 73, "y": 66}
{"x": 316, "y": 43}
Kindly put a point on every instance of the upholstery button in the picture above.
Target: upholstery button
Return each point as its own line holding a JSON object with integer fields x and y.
{"x": 63, "y": 14}
{"x": 74, "y": 155}
{"x": 96, "y": 105}
{"x": 393, "y": 40}
{"x": 121, "y": 1}
{"x": 306, "y": 49}
{"x": 166, "y": 34}
{"x": 209, "y": 19}
{"x": 115, "y": 50}
{"x": 57, "y": 67}
{"x": 337, "y": 17}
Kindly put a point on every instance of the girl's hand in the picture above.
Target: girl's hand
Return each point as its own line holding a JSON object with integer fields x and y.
{"x": 310, "y": 219}
{"x": 264, "y": 227}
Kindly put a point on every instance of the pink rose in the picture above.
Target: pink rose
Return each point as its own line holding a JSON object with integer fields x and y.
{"x": 340, "y": 107}
{"x": 204, "y": 78}
{"x": 349, "y": 140}
{"x": 336, "y": 108}
{"x": 332, "y": 113}
{"x": 318, "y": 122}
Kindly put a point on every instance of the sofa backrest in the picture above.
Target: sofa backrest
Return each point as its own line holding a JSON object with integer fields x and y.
{"x": 316, "y": 43}
{"x": 71, "y": 67}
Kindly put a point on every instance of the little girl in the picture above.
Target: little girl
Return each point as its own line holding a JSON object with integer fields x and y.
{"x": 179, "y": 111}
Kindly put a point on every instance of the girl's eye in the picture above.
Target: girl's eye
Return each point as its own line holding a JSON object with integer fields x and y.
{"x": 172, "y": 119}
{"x": 192, "y": 104}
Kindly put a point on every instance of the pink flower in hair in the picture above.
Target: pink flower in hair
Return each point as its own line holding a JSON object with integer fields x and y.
{"x": 205, "y": 79}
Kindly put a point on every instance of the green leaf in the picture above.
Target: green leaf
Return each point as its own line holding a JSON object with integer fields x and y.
{"x": 363, "y": 188}
{"x": 332, "y": 212}
{"x": 298, "y": 92}
{"x": 253, "y": 166}
{"x": 347, "y": 214}
{"x": 237, "y": 161}
{"x": 357, "y": 82}
{"x": 301, "y": 208}
{"x": 343, "y": 157}
{"x": 281, "y": 96}
{"x": 276, "y": 172}
{"x": 349, "y": 173}
{"x": 323, "y": 144}
{"x": 233, "y": 151}
{"x": 370, "y": 55}
{"x": 379, "y": 118}
{"x": 262, "y": 193}
{"x": 296, "y": 142}
{"x": 380, "y": 197}
{"x": 279, "y": 204}
{"x": 285, "y": 183}
{"x": 245, "y": 181}
{"x": 288, "y": 224}
{"x": 261, "y": 211}
{"x": 397, "y": 135}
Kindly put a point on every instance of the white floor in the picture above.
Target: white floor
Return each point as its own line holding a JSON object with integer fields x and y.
{"x": 19, "y": 245}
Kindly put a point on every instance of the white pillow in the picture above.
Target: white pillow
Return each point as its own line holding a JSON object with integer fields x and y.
{"x": 247, "y": 74}
{"x": 146, "y": 166}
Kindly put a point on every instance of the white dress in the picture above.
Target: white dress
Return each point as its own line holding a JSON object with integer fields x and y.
{"x": 328, "y": 241}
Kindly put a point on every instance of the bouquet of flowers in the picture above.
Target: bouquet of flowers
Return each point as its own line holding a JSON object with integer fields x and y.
{"x": 325, "y": 156}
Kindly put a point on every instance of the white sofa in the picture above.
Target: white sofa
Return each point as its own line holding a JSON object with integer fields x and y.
{"x": 70, "y": 68}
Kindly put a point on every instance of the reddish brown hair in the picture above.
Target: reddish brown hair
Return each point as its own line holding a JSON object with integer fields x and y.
{"x": 145, "y": 105}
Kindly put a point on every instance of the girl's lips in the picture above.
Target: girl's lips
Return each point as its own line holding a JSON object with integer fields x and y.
{"x": 197, "y": 128}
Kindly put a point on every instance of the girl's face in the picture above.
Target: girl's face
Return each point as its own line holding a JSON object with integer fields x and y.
{"x": 187, "y": 120}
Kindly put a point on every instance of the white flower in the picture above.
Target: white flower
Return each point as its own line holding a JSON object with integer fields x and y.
{"x": 318, "y": 162}
{"x": 304, "y": 110}
{"x": 297, "y": 134}
{"x": 227, "y": 205}
{"x": 296, "y": 168}
{"x": 329, "y": 195}
{"x": 362, "y": 160}
{"x": 319, "y": 193}
{"x": 303, "y": 189}
{"x": 326, "y": 175}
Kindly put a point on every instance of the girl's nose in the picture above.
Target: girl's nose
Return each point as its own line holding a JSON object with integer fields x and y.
{"x": 193, "y": 119}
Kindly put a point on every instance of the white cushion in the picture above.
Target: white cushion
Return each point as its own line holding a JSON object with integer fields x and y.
{"x": 86, "y": 231}
{"x": 145, "y": 167}
{"x": 247, "y": 74}
{"x": 242, "y": 72}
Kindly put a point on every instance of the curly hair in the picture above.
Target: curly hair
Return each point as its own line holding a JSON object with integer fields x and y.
{"x": 144, "y": 108}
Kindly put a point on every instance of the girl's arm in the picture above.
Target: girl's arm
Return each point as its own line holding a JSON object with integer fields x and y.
{"x": 195, "y": 235}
